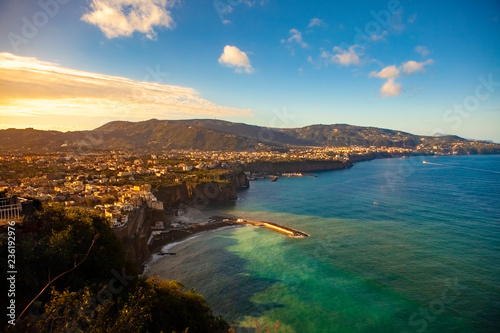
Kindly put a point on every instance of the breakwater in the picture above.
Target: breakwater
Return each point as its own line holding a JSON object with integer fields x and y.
{"x": 290, "y": 232}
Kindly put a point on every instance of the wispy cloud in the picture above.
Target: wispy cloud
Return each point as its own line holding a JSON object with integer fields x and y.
{"x": 35, "y": 88}
{"x": 118, "y": 18}
{"x": 316, "y": 22}
{"x": 412, "y": 18}
{"x": 379, "y": 37}
{"x": 397, "y": 24}
{"x": 233, "y": 57}
{"x": 422, "y": 50}
{"x": 295, "y": 37}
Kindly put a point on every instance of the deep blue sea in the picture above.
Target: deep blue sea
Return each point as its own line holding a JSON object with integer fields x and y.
{"x": 396, "y": 245}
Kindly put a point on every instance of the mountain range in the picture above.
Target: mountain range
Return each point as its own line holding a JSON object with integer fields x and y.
{"x": 218, "y": 135}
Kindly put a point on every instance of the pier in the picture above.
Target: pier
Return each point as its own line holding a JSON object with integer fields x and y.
{"x": 290, "y": 232}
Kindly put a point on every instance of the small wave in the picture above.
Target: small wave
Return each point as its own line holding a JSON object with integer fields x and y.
{"x": 155, "y": 257}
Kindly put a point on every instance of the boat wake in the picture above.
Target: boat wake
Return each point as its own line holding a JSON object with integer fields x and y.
{"x": 461, "y": 167}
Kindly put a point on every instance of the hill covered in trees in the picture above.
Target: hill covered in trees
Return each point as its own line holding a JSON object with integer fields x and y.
{"x": 207, "y": 134}
{"x": 73, "y": 277}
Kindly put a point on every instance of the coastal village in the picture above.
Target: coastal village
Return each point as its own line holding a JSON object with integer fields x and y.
{"x": 82, "y": 179}
{"x": 119, "y": 182}
{"x": 121, "y": 185}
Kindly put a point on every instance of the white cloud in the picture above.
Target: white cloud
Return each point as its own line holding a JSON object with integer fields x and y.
{"x": 233, "y": 57}
{"x": 296, "y": 36}
{"x": 226, "y": 22}
{"x": 390, "y": 88}
{"x": 346, "y": 57}
{"x": 316, "y": 22}
{"x": 35, "y": 88}
{"x": 118, "y": 18}
{"x": 422, "y": 50}
{"x": 389, "y": 72}
{"x": 412, "y": 67}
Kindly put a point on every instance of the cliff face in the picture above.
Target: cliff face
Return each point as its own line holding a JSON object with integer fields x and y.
{"x": 172, "y": 195}
{"x": 237, "y": 178}
{"x": 296, "y": 166}
{"x": 203, "y": 192}
{"x": 206, "y": 192}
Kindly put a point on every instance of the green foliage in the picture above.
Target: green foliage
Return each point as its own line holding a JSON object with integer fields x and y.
{"x": 56, "y": 240}
{"x": 81, "y": 312}
{"x": 150, "y": 306}
{"x": 175, "y": 309}
{"x": 95, "y": 297}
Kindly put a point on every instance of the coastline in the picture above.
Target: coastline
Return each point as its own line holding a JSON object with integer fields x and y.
{"x": 176, "y": 235}
{"x": 195, "y": 223}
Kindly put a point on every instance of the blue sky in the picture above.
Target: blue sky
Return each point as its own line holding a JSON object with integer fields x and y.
{"x": 418, "y": 66}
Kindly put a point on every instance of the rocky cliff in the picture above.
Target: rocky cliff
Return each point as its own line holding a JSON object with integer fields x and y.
{"x": 237, "y": 178}
{"x": 206, "y": 192}
{"x": 203, "y": 192}
{"x": 296, "y": 166}
{"x": 172, "y": 195}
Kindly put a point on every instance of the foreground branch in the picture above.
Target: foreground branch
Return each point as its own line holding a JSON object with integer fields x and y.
{"x": 57, "y": 277}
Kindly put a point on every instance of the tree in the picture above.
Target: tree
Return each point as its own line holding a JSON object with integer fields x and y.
{"x": 150, "y": 306}
{"x": 63, "y": 255}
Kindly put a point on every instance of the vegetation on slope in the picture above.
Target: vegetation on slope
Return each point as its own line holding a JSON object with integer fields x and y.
{"x": 217, "y": 135}
{"x": 76, "y": 259}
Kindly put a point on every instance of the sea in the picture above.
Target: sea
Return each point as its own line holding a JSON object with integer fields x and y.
{"x": 395, "y": 245}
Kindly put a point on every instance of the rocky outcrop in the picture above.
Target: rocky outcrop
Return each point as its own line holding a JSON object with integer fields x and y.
{"x": 173, "y": 195}
{"x": 371, "y": 156}
{"x": 237, "y": 178}
{"x": 224, "y": 190}
{"x": 296, "y": 166}
{"x": 206, "y": 192}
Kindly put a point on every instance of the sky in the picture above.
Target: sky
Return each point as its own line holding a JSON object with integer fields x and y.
{"x": 418, "y": 66}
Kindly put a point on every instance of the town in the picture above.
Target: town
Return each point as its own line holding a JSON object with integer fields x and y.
{"x": 124, "y": 179}
{"x": 118, "y": 183}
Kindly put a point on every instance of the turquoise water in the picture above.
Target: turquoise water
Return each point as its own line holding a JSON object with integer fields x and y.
{"x": 396, "y": 245}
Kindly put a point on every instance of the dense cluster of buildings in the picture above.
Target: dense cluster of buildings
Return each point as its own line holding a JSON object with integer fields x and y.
{"x": 114, "y": 181}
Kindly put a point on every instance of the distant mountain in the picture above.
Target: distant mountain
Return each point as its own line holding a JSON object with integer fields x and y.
{"x": 207, "y": 134}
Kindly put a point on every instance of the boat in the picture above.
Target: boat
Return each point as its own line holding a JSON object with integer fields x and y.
{"x": 274, "y": 178}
